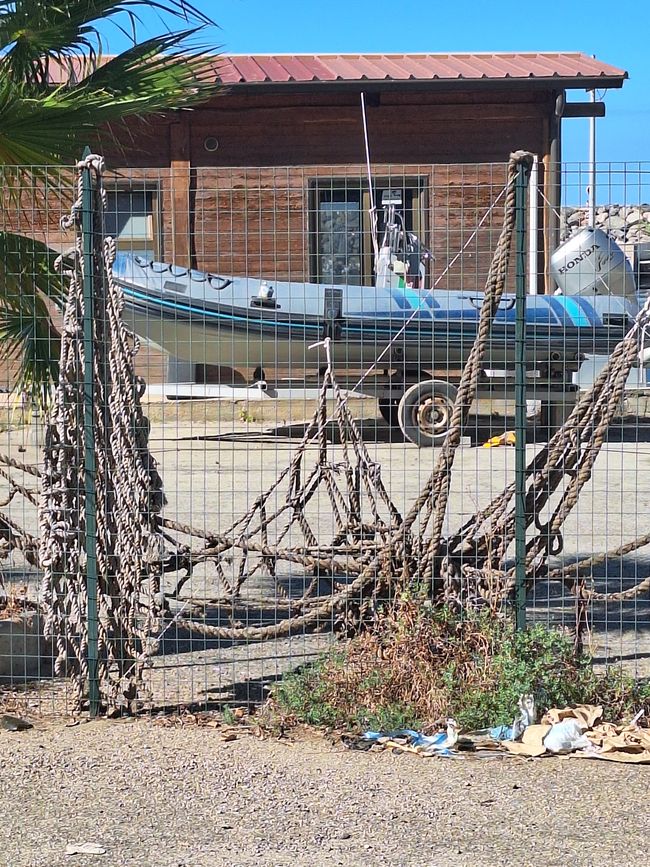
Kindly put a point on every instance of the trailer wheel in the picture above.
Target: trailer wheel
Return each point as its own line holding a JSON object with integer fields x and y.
{"x": 424, "y": 412}
{"x": 389, "y": 410}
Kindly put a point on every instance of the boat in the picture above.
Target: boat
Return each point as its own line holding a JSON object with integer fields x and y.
{"x": 252, "y": 322}
{"x": 414, "y": 340}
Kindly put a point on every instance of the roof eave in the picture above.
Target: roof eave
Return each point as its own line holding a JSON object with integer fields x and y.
{"x": 554, "y": 82}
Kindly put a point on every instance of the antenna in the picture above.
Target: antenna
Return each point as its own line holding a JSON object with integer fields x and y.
{"x": 372, "y": 210}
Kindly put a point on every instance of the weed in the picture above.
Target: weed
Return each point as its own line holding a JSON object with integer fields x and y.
{"x": 246, "y": 415}
{"x": 228, "y": 716}
{"x": 421, "y": 664}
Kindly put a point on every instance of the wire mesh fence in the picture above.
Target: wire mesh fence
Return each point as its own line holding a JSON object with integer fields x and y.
{"x": 287, "y": 464}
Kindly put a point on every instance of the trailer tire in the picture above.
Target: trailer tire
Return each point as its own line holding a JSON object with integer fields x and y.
{"x": 389, "y": 410}
{"x": 424, "y": 412}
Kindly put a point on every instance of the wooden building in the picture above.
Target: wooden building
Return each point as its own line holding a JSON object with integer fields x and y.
{"x": 271, "y": 177}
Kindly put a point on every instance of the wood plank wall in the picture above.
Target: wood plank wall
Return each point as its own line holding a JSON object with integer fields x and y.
{"x": 244, "y": 207}
{"x": 256, "y": 222}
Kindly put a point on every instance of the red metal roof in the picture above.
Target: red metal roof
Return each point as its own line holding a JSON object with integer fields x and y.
{"x": 569, "y": 68}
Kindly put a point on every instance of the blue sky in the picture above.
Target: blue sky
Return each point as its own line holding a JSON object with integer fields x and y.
{"x": 616, "y": 33}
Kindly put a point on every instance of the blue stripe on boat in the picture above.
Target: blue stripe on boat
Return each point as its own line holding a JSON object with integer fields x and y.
{"x": 218, "y": 314}
{"x": 571, "y": 308}
{"x": 398, "y": 297}
{"x": 213, "y": 314}
{"x": 588, "y": 309}
{"x": 417, "y": 302}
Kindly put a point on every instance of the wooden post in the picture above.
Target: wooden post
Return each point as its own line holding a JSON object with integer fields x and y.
{"x": 181, "y": 218}
{"x": 553, "y": 195}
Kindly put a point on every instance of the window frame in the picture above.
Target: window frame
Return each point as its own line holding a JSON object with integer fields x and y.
{"x": 153, "y": 218}
{"x": 418, "y": 185}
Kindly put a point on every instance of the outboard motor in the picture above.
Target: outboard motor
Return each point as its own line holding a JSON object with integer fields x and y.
{"x": 592, "y": 263}
{"x": 593, "y": 266}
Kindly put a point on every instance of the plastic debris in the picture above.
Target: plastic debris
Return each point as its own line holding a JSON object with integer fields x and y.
{"x": 84, "y": 849}
{"x": 575, "y": 732}
{"x": 500, "y": 733}
{"x": 440, "y": 744}
{"x": 568, "y": 731}
{"x": 566, "y": 737}
{"x": 527, "y": 716}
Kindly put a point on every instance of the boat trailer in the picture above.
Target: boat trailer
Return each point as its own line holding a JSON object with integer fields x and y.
{"x": 420, "y": 405}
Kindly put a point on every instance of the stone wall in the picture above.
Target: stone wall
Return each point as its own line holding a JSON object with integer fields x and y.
{"x": 627, "y": 224}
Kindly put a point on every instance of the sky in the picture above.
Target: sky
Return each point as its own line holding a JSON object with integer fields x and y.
{"x": 616, "y": 33}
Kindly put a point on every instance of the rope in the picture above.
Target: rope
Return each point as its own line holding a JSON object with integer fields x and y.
{"x": 436, "y": 491}
{"x": 32, "y": 469}
{"x": 571, "y": 453}
{"x": 15, "y": 488}
{"x": 372, "y": 545}
{"x": 128, "y": 487}
{"x": 19, "y": 539}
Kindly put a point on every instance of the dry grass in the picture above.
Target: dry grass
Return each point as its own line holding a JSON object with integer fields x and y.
{"x": 420, "y": 665}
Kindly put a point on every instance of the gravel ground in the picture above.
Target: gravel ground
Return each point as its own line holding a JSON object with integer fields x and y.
{"x": 152, "y": 795}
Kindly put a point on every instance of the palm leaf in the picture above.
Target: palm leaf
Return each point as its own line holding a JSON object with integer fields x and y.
{"x": 30, "y": 289}
{"x": 33, "y": 344}
{"x": 56, "y": 90}
{"x": 40, "y": 35}
{"x": 50, "y": 128}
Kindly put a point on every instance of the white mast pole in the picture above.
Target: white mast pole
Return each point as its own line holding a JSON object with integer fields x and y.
{"x": 592, "y": 164}
{"x": 533, "y": 214}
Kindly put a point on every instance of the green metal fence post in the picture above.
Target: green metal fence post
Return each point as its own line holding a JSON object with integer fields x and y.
{"x": 520, "y": 398}
{"x": 88, "y": 189}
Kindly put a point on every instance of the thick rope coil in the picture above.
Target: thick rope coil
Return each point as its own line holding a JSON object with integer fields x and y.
{"x": 128, "y": 487}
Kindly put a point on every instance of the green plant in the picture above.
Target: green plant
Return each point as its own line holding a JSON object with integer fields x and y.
{"x": 58, "y": 92}
{"x": 303, "y": 694}
{"x": 228, "y": 716}
{"x": 541, "y": 661}
{"x": 421, "y": 664}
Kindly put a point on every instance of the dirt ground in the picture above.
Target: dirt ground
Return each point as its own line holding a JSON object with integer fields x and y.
{"x": 184, "y": 797}
{"x": 172, "y": 797}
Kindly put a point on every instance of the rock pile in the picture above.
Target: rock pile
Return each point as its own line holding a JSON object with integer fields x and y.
{"x": 627, "y": 224}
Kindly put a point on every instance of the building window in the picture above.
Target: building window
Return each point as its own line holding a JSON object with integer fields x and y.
{"x": 341, "y": 248}
{"x": 339, "y": 228}
{"x": 132, "y": 220}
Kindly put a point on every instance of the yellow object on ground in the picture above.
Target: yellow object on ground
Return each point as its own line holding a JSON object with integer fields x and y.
{"x": 504, "y": 439}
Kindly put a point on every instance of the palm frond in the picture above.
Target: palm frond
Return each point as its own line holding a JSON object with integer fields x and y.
{"x": 56, "y": 91}
{"x": 159, "y": 74}
{"x": 33, "y": 343}
{"x": 27, "y": 269}
{"x": 41, "y": 39}
{"x": 30, "y": 290}
{"x": 51, "y": 128}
